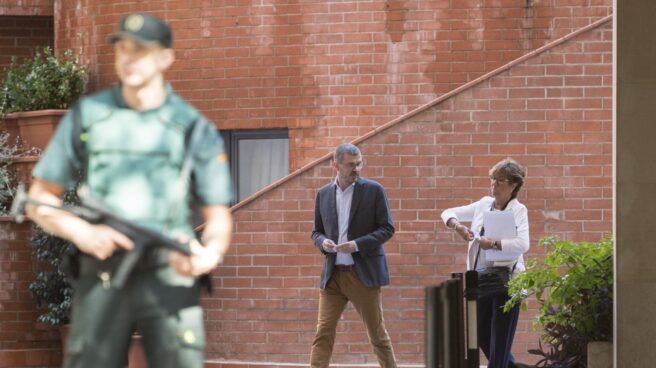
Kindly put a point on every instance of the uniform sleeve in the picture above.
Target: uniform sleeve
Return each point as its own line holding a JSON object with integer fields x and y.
{"x": 211, "y": 170}
{"x": 58, "y": 163}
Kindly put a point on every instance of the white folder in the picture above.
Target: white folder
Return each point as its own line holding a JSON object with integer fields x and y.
{"x": 500, "y": 225}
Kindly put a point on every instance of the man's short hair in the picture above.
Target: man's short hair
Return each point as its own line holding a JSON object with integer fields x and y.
{"x": 343, "y": 148}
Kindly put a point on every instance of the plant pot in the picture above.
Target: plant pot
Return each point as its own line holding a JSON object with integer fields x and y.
{"x": 600, "y": 354}
{"x": 34, "y": 128}
{"x": 136, "y": 354}
{"x": 10, "y": 125}
{"x": 21, "y": 170}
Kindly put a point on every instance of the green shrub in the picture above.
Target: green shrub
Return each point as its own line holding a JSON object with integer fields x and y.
{"x": 43, "y": 82}
{"x": 50, "y": 288}
{"x": 573, "y": 286}
{"x": 8, "y": 152}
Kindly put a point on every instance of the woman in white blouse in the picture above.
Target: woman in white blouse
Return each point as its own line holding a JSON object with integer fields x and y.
{"x": 496, "y": 329}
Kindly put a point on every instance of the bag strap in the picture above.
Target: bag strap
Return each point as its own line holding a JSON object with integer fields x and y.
{"x": 477, "y": 254}
{"x": 79, "y": 142}
{"x": 182, "y": 184}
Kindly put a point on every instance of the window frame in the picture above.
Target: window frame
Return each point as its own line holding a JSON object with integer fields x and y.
{"x": 231, "y": 139}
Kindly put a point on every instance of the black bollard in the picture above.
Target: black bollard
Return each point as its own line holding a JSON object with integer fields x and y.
{"x": 445, "y": 331}
{"x": 458, "y": 333}
{"x": 432, "y": 314}
{"x": 471, "y": 294}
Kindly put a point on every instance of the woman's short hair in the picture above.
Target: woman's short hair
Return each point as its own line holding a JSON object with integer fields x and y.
{"x": 345, "y": 148}
{"x": 513, "y": 171}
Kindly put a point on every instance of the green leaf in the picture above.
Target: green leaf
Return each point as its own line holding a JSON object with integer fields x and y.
{"x": 45, "y": 81}
{"x": 573, "y": 285}
{"x": 50, "y": 289}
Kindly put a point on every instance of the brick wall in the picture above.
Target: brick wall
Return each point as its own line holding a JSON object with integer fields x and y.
{"x": 23, "y": 341}
{"x": 304, "y": 66}
{"x": 327, "y": 70}
{"x": 552, "y": 113}
{"x": 20, "y": 35}
{"x": 26, "y": 7}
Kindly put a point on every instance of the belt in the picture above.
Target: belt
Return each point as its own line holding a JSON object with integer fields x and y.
{"x": 153, "y": 258}
{"x": 345, "y": 268}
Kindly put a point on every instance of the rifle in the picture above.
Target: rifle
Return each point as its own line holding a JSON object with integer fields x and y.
{"x": 95, "y": 213}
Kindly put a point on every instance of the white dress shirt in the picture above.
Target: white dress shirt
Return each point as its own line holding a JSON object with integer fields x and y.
{"x": 343, "y": 201}
{"x": 474, "y": 213}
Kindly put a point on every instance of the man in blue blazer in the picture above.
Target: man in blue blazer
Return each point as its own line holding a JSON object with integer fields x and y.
{"x": 352, "y": 221}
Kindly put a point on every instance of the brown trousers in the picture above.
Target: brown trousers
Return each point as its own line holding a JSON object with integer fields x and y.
{"x": 342, "y": 288}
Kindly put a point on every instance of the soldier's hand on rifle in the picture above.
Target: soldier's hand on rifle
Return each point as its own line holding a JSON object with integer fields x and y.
{"x": 100, "y": 240}
{"x": 202, "y": 260}
{"x": 216, "y": 240}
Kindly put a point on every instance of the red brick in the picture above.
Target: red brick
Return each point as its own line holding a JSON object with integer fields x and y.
{"x": 265, "y": 71}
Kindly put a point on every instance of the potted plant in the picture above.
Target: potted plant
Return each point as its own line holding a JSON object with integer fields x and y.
{"x": 36, "y": 92}
{"x": 573, "y": 285}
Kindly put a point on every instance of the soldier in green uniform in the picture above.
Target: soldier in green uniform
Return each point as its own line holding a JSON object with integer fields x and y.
{"x": 130, "y": 143}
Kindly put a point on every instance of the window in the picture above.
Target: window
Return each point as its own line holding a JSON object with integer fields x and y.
{"x": 257, "y": 158}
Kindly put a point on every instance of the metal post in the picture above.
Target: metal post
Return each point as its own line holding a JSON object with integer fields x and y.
{"x": 451, "y": 338}
{"x": 432, "y": 326}
{"x": 471, "y": 294}
{"x": 458, "y": 315}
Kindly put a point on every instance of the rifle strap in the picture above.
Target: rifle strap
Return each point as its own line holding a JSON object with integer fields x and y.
{"x": 80, "y": 137}
{"x": 191, "y": 138}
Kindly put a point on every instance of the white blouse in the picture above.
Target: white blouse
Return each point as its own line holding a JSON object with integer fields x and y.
{"x": 474, "y": 213}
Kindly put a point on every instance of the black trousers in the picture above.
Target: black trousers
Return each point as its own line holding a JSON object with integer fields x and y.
{"x": 496, "y": 330}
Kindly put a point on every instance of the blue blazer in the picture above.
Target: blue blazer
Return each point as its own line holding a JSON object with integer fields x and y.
{"x": 370, "y": 226}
